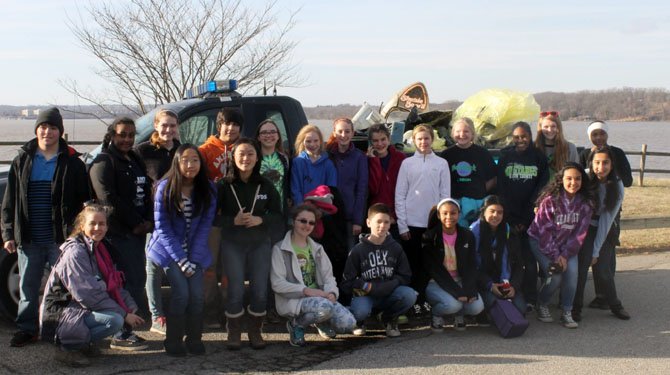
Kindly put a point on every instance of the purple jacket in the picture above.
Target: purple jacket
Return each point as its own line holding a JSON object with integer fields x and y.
{"x": 169, "y": 231}
{"x": 560, "y": 225}
{"x": 352, "y": 181}
{"x": 78, "y": 270}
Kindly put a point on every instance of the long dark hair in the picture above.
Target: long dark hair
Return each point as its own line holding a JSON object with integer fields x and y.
{"x": 111, "y": 130}
{"x": 486, "y": 233}
{"x": 234, "y": 172}
{"x": 611, "y": 188}
{"x": 201, "y": 188}
{"x": 555, "y": 189}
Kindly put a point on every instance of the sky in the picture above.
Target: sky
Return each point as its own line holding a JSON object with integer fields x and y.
{"x": 356, "y": 51}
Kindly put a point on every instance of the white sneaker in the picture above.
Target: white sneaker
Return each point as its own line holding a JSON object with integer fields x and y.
{"x": 567, "y": 321}
{"x": 437, "y": 324}
{"x": 392, "y": 329}
{"x": 359, "y": 330}
{"x": 543, "y": 314}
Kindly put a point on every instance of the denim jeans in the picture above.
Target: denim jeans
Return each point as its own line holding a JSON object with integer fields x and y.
{"x": 396, "y": 303}
{"x": 315, "y": 310}
{"x": 187, "y": 294}
{"x": 519, "y": 302}
{"x": 129, "y": 257}
{"x": 443, "y": 303}
{"x": 101, "y": 324}
{"x": 240, "y": 261}
{"x": 153, "y": 287}
{"x": 567, "y": 280}
{"x": 32, "y": 260}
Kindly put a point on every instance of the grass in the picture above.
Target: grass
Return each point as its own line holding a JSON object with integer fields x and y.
{"x": 650, "y": 200}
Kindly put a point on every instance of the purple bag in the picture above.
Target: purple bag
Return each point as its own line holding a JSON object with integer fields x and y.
{"x": 509, "y": 321}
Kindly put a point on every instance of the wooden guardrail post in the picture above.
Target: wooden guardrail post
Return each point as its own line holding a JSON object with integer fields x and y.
{"x": 643, "y": 159}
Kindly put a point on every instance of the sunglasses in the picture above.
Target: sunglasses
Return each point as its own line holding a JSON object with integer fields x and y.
{"x": 305, "y": 221}
{"x": 545, "y": 114}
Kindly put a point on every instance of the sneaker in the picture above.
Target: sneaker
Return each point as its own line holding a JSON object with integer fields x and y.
{"x": 392, "y": 329}
{"x": 567, "y": 321}
{"x": 158, "y": 325}
{"x": 325, "y": 331}
{"x": 426, "y": 307}
{"x": 530, "y": 308}
{"x": 71, "y": 358}
{"x": 482, "y": 320}
{"x": 415, "y": 310}
{"x": 459, "y": 323}
{"x": 621, "y": 313}
{"x": 402, "y": 319}
{"x": 359, "y": 330}
{"x": 129, "y": 342}
{"x": 22, "y": 338}
{"x": 543, "y": 314}
{"x": 296, "y": 334}
{"x": 599, "y": 303}
{"x": 437, "y": 324}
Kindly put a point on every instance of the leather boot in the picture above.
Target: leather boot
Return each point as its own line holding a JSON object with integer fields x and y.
{"x": 193, "y": 340}
{"x": 256, "y": 329}
{"x": 234, "y": 329}
{"x": 174, "y": 336}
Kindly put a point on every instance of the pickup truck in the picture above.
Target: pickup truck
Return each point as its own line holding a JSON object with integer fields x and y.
{"x": 197, "y": 116}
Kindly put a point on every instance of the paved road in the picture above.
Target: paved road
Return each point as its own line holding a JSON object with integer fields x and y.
{"x": 603, "y": 344}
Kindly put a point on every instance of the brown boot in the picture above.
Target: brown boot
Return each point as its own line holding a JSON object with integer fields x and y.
{"x": 234, "y": 329}
{"x": 256, "y": 329}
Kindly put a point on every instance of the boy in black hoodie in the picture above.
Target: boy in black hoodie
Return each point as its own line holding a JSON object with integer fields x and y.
{"x": 377, "y": 273}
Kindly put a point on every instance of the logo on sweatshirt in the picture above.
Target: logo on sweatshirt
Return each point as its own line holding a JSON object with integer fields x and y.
{"x": 378, "y": 261}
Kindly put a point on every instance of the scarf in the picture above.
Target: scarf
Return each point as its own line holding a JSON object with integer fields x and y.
{"x": 112, "y": 277}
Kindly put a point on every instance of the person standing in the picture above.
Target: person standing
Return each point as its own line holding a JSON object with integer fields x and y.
{"x": 157, "y": 154}
{"x": 551, "y": 141}
{"x": 46, "y": 188}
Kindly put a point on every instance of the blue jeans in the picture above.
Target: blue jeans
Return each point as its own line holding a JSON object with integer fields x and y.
{"x": 187, "y": 294}
{"x": 316, "y": 310}
{"x": 567, "y": 280}
{"x": 153, "y": 287}
{"x": 396, "y": 303}
{"x": 519, "y": 302}
{"x": 442, "y": 303}
{"x": 240, "y": 261}
{"x": 129, "y": 257}
{"x": 101, "y": 324}
{"x": 32, "y": 259}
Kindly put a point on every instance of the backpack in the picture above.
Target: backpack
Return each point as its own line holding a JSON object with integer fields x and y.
{"x": 56, "y": 299}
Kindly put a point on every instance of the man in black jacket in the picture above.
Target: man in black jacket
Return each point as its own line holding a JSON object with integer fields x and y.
{"x": 46, "y": 188}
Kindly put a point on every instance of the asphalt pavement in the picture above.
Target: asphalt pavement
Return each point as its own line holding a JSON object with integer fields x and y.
{"x": 602, "y": 344}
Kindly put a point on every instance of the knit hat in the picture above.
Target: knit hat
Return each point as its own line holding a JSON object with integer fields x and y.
{"x": 596, "y": 125}
{"x": 50, "y": 116}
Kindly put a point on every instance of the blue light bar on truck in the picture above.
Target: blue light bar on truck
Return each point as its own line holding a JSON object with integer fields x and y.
{"x": 211, "y": 87}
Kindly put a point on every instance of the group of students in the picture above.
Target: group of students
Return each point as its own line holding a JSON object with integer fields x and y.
{"x": 439, "y": 241}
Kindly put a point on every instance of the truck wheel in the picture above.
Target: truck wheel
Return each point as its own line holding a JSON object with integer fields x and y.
{"x": 9, "y": 285}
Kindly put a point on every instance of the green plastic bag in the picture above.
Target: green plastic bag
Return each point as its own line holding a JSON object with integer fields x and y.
{"x": 494, "y": 112}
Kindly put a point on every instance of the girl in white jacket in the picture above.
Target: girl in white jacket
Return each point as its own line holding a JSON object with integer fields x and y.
{"x": 423, "y": 179}
{"x": 303, "y": 282}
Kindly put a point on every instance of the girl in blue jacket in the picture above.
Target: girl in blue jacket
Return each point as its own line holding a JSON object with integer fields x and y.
{"x": 311, "y": 167}
{"x": 184, "y": 207}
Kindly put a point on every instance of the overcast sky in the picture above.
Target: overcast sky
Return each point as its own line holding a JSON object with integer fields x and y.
{"x": 355, "y": 51}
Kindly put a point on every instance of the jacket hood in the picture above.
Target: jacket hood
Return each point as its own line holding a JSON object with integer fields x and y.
{"x": 31, "y": 147}
{"x": 213, "y": 140}
{"x": 322, "y": 158}
{"x": 365, "y": 237}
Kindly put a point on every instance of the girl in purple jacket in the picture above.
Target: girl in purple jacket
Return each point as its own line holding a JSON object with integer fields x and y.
{"x": 184, "y": 207}
{"x": 556, "y": 235}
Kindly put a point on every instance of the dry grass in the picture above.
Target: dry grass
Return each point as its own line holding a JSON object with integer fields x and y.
{"x": 651, "y": 200}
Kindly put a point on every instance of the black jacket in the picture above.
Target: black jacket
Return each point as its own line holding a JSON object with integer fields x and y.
{"x": 156, "y": 159}
{"x": 466, "y": 261}
{"x": 114, "y": 183}
{"x": 621, "y": 164}
{"x": 490, "y": 267}
{"x": 69, "y": 191}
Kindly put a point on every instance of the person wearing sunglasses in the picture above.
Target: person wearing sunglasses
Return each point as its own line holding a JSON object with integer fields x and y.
{"x": 551, "y": 141}
{"x": 302, "y": 278}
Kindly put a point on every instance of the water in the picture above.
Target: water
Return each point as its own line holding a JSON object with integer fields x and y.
{"x": 627, "y": 135}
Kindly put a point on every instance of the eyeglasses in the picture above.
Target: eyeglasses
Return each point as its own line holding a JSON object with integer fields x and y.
{"x": 267, "y": 132}
{"x": 545, "y": 114}
{"x": 305, "y": 221}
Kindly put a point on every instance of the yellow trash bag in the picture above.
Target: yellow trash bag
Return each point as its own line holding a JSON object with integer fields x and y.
{"x": 494, "y": 111}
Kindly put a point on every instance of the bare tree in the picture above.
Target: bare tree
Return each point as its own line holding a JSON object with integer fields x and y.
{"x": 153, "y": 51}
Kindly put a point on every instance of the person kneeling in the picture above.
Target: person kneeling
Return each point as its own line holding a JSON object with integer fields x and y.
{"x": 84, "y": 299}
{"x": 377, "y": 273}
{"x": 303, "y": 282}
{"x": 449, "y": 256}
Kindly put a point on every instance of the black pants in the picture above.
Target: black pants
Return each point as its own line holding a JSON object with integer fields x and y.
{"x": 603, "y": 275}
{"x": 530, "y": 269}
{"x": 412, "y": 249}
{"x": 129, "y": 256}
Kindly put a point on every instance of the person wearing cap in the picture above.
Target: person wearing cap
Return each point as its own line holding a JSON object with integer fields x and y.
{"x": 598, "y": 134}
{"x": 38, "y": 211}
